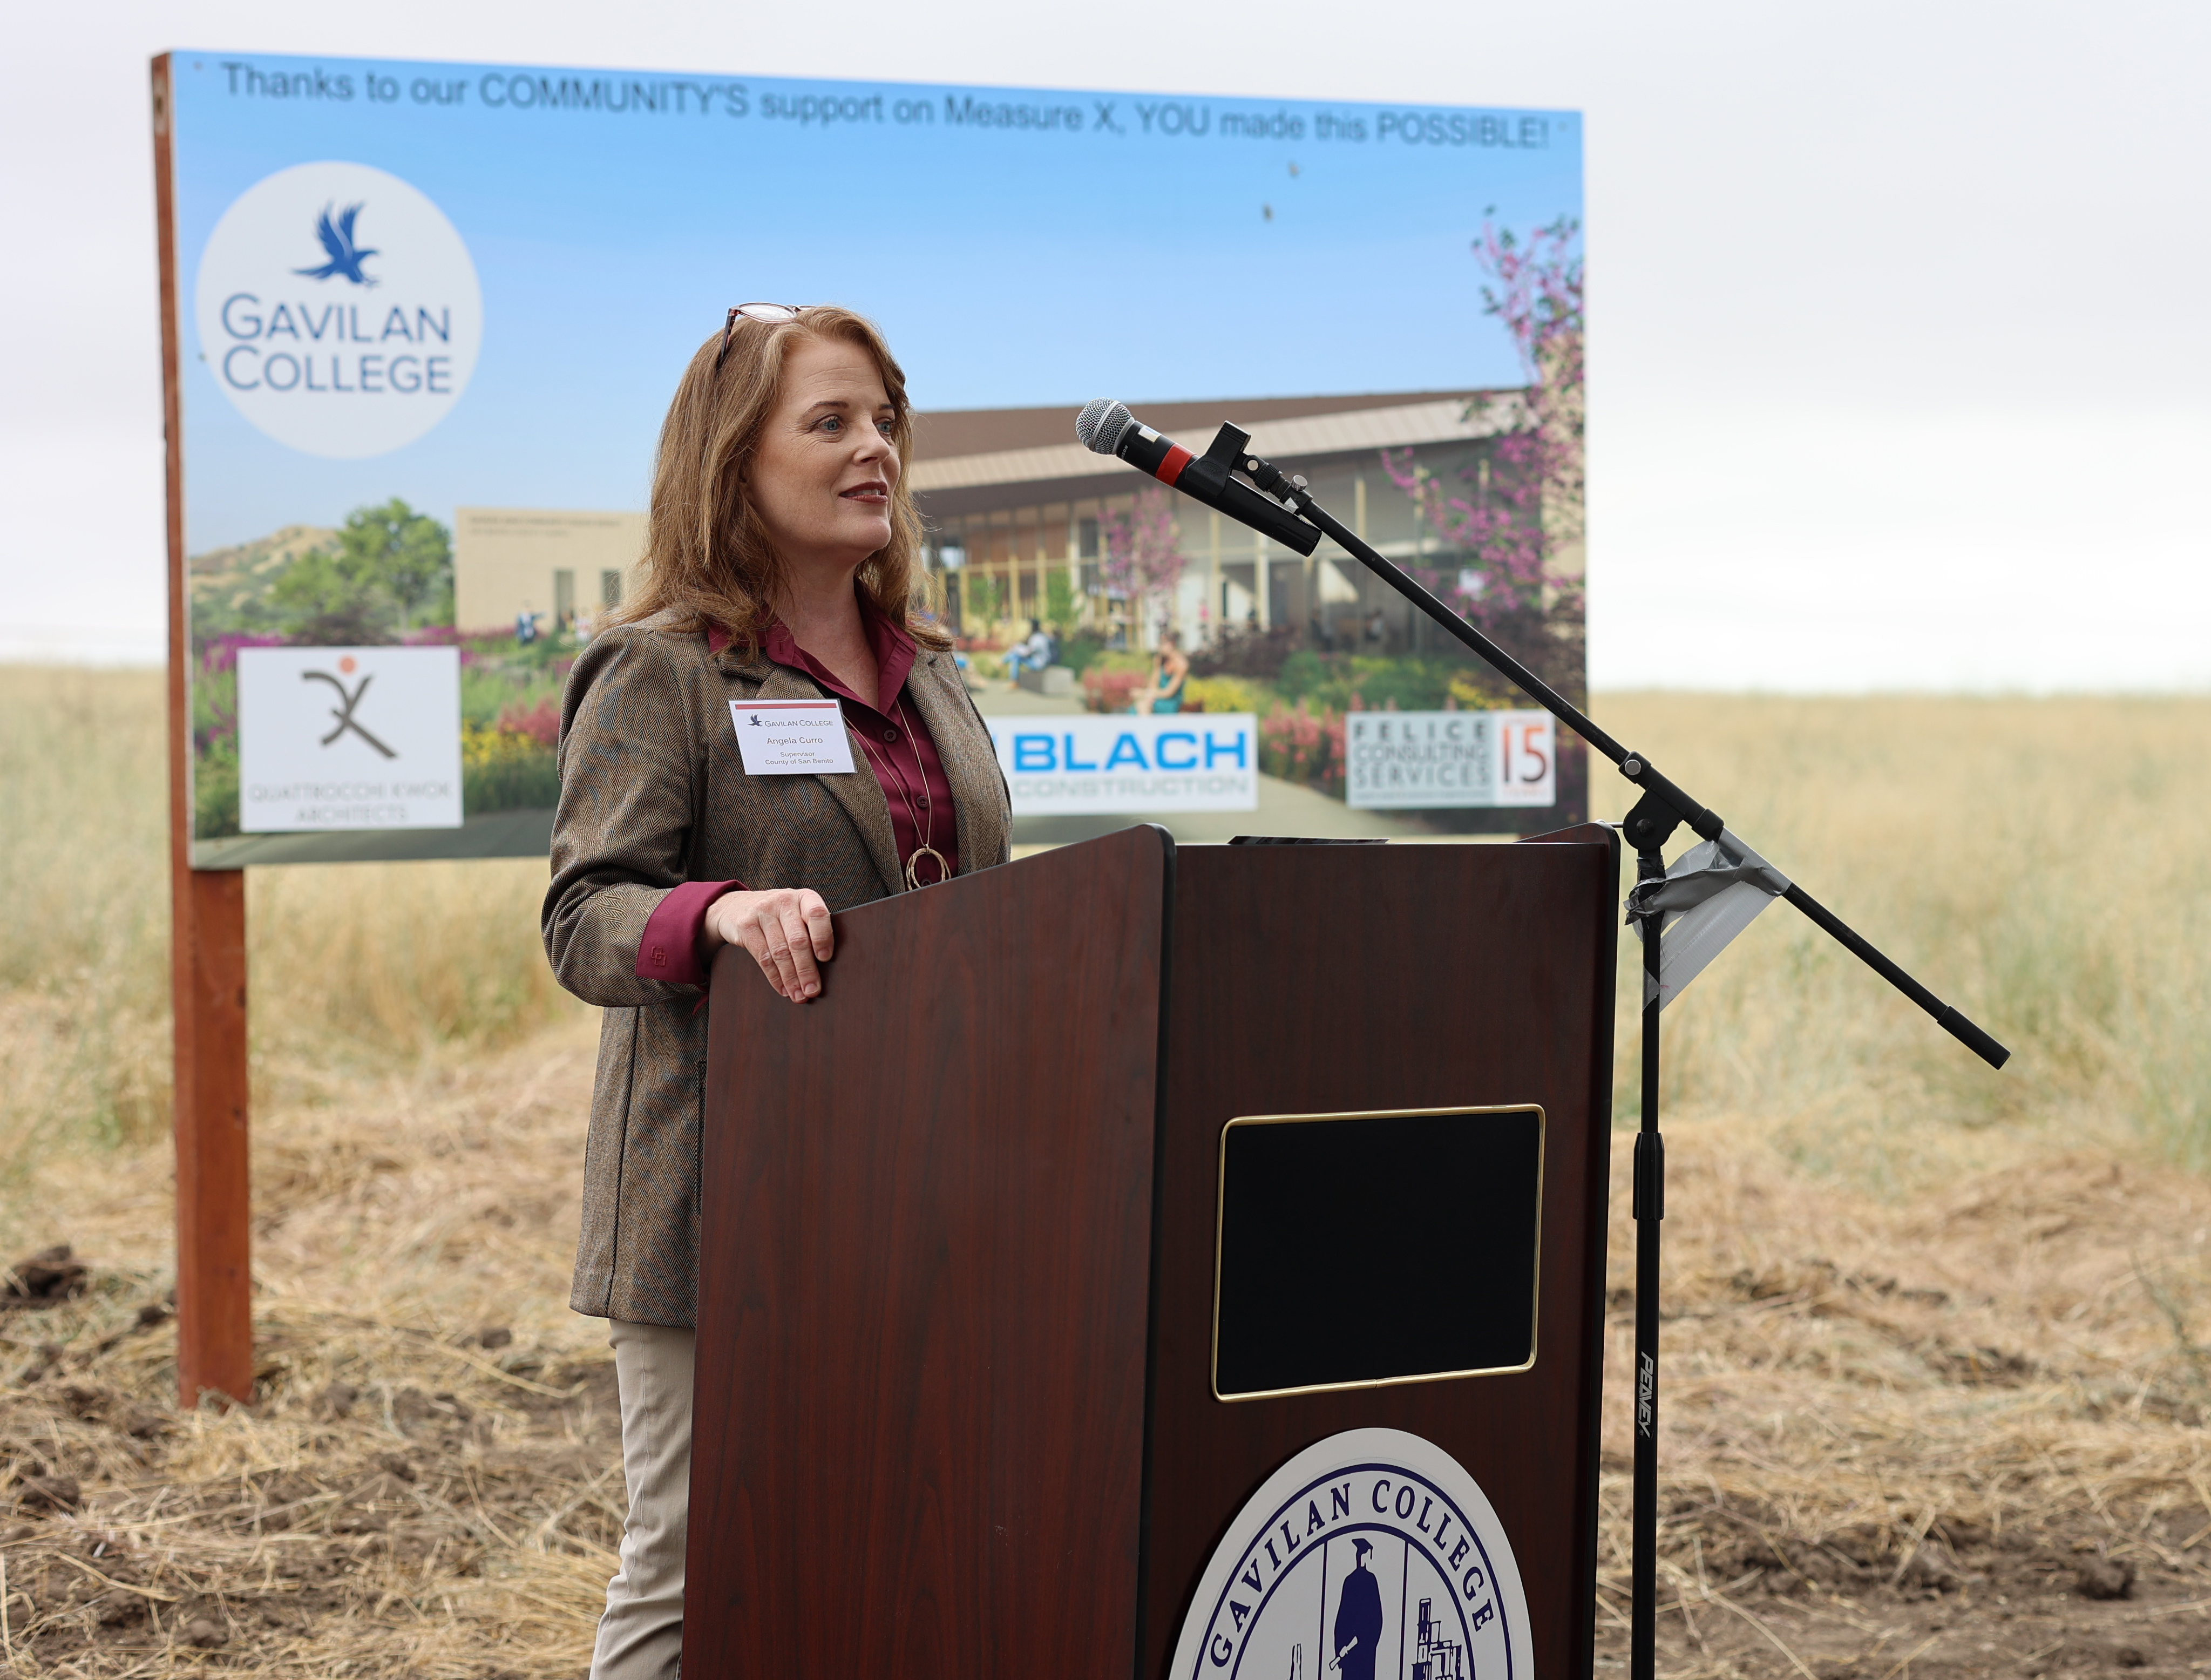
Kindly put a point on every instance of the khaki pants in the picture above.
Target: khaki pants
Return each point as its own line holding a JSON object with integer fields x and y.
{"x": 641, "y": 1632}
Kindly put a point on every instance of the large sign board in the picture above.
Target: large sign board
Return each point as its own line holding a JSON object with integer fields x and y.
{"x": 429, "y": 317}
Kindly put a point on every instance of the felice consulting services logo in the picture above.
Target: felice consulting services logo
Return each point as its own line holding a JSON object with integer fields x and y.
{"x": 1370, "y": 1555}
{"x": 338, "y": 309}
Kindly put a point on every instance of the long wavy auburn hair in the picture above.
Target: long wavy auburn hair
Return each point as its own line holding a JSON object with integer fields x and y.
{"x": 708, "y": 559}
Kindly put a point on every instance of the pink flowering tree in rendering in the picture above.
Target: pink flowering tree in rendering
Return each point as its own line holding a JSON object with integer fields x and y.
{"x": 1509, "y": 518}
{"x": 1140, "y": 553}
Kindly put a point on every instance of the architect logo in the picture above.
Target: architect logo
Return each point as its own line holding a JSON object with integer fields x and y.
{"x": 349, "y": 699}
{"x": 338, "y": 309}
{"x": 1371, "y": 1554}
{"x": 349, "y": 737}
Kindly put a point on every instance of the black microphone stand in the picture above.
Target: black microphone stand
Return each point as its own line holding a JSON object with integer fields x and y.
{"x": 1662, "y": 809}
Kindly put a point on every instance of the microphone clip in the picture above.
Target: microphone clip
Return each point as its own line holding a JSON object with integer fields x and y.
{"x": 1210, "y": 478}
{"x": 1235, "y": 443}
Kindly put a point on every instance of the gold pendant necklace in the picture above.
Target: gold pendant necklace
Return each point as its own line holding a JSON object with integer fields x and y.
{"x": 922, "y": 832}
{"x": 913, "y": 881}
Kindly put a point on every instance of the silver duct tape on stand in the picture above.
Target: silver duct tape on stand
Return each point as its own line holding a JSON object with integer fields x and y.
{"x": 1711, "y": 893}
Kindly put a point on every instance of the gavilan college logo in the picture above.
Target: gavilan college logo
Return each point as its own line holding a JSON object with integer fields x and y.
{"x": 1370, "y": 1555}
{"x": 338, "y": 309}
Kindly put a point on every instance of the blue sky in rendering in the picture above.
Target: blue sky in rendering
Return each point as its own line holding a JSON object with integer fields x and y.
{"x": 1018, "y": 247}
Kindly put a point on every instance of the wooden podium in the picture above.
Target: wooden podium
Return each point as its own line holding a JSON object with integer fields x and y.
{"x": 955, "y": 1387}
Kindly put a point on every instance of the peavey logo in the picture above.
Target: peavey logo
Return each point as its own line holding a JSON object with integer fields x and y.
{"x": 1646, "y": 1393}
{"x": 1370, "y": 1554}
{"x": 302, "y": 349}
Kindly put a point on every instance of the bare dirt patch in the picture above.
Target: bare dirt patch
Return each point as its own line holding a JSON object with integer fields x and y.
{"x": 429, "y": 1482}
{"x": 1956, "y": 1431}
{"x": 1953, "y": 1429}
{"x": 1938, "y": 1344}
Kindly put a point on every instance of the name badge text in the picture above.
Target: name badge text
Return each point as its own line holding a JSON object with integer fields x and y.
{"x": 791, "y": 737}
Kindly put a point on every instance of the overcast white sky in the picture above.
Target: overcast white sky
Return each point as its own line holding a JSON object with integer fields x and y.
{"x": 1900, "y": 369}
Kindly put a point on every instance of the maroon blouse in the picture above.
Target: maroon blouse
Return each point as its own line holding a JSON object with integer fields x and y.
{"x": 894, "y": 739}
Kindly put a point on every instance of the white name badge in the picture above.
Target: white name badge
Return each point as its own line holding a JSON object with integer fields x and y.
{"x": 791, "y": 737}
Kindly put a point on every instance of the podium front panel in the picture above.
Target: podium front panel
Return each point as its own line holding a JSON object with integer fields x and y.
{"x": 1345, "y": 979}
{"x": 927, "y": 1204}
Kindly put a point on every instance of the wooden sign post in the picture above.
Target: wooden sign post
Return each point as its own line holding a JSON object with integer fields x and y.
{"x": 207, "y": 919}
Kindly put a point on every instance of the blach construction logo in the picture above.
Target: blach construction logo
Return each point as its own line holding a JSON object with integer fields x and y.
{"x": 338, "y": 310}
{"x": 1371, "y": 1555}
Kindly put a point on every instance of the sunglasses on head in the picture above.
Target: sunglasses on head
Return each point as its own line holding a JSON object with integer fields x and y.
{"x": 767, "y": 314}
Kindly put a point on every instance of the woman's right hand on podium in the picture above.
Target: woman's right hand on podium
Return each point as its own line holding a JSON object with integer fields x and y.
{"x": 786, "y": 930}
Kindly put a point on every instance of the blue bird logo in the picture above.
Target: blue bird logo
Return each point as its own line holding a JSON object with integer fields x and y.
{"x": 346, "y": 258}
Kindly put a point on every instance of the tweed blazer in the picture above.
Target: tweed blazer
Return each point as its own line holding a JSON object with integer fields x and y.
{"x": 653, "y": 793}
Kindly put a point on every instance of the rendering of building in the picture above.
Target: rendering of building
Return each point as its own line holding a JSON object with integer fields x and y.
{"x": 1012, "y": 497}
{"x": 548, "y": 563}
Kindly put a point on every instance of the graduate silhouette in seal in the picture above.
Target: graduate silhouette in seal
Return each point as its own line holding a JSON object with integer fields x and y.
{"x": 1358, "y": 1618}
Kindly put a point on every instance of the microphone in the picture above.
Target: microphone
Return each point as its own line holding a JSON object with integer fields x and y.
{"x": 1108, "y": 428}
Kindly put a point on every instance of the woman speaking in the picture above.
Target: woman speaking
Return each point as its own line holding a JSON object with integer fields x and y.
{"x": 782, "y": 560}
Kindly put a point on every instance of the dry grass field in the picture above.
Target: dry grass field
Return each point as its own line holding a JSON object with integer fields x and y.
{"x": 1939, "y": 1345}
